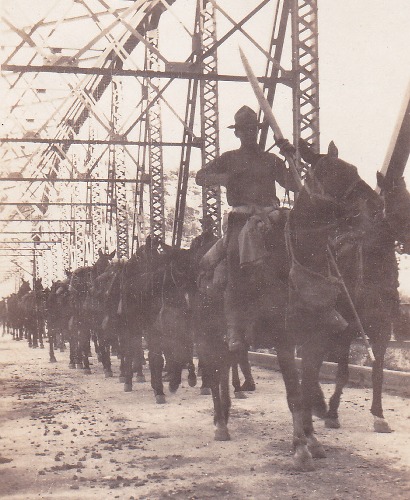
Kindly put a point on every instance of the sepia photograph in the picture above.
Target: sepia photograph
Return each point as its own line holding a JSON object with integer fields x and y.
{"x": 204, "y": 249}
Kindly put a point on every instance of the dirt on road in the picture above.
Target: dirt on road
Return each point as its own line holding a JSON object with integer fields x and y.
{"x": 67, "y": 435}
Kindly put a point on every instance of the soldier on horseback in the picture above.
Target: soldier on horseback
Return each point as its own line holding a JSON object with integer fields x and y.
{"x": 249, "y": 175}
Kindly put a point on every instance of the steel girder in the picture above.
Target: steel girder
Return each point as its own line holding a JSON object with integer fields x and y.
{"x": 305, "y": 67}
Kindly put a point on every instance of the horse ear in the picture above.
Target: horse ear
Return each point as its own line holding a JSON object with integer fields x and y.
{"x": 381, "y": 180}
{"x": 100, "y": 253}
{"x": 112, "y": 254}
{"x": 332, "y": 150}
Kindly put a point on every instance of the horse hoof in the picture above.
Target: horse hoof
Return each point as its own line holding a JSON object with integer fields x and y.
{"x": 79, "y": 366}
{"x": 192, "y": 380}
{"x": 302, "y": 460}
{"x": 53, "y": 360}
{"x": 160, "y": 399}
{"x": 248, "y": 386}
{"x": 71, "y": 366}
{"x": 320, "y": 412}
{"x": 222, "y": 434}
{"x": 240, "y": 395}
{"x": 380, "y": 425}
{"x": 127, "y": 387}
{"x": 173, "y": 387}
{"x": 205, "y": 391}
{"x": 41, "y": 347}
{"x": 121, "y": 379}
{"x": 140, "y": 379}
{"x": 87, "y": 371}
{"x": 332, "y": 423}
{"x": 315, "y": 448}
{"x": 108, "y": 373}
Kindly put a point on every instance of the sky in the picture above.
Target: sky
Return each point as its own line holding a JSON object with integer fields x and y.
{"x": 364, "y": 71}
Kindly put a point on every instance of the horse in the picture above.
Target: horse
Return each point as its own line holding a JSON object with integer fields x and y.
{"x": 58, "y": 315}
{"x": 15, "y": 312}
{"x": 271, "y": 296}
{"x": 33, "y": 304}
{"x": 372, "y": 281}
{"x": 79, "y": 324}
{"x": 102, "y": 310}
{"x": 152, "y": 302}
{"x": 209, "y": 327}
{"x": 335, "y": 204}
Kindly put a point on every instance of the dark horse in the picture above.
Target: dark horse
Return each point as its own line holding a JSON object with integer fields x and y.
{"x": 80, "y": 323}
{"x": 152, "y": 302}
{"x": 33, "y": 305}
{"x": 15, "y": 311}
{"x": 369, "y": 268}
{"x": 58, "y": 315}
{"x": 275, "y": 309}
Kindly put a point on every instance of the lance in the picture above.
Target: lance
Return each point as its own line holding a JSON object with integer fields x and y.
{"x": 267, "y": 111}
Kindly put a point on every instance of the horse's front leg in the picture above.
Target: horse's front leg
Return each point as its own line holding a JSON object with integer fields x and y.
{"x": 342, "y": 378}
{"x": 313, "y": 353}
{"x": 175, "y": 374}
{"x": 380, "y": 424}
{"x": 51, "y": 341}
{"x": 219, "y": 382}
{"x": 302, "y": 458}
{"x": 156, "y": 365}
{"x": 236, "y": 383}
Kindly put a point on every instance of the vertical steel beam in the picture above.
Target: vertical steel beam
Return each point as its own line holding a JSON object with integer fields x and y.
{"x": 305, "y": 66}
{"x": 120, "y": 188}
{"x": 187, "y": 140}
{"x": 211, "y": 197}
{"x": 156, "y": 173}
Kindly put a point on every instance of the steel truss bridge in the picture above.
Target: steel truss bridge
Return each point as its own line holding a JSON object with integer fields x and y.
{"x": 110, "y": 106}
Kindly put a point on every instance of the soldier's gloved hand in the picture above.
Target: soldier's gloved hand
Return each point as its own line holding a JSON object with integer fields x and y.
{"x": 285, "y": 146}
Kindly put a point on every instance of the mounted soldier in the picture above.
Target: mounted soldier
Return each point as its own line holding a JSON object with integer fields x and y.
{"x": 249, "y": 175}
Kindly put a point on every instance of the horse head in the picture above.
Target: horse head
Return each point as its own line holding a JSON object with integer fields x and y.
{"x": 396, "y": 208}
{"x": 103, "y": 260}
{"x": 24, "y": 288}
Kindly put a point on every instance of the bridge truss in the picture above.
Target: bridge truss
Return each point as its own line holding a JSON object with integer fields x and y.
{"x": 111, "y": 105}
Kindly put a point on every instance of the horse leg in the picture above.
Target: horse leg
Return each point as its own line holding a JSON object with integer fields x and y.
{"x": 106, "y": 358}
{"x": 156, "y": 365}
{"x": 51, "y": 339}
{"x": 236, "y": 383}
{"x": 175, "y": 375}
{"x": 41, "y": 335}
{"x": 192, "y": 380}
{"x": 127, "y": 370}
{"x": 84, "y": 350}
{"x": 379, "y": 424}
{"x": 205, "y": 389}
{"x": 29, "y": 337}
{"x": 121, "y": 377}
{"x": 313, "y": 353}
{"x": 72, "y": 342}
{"x": 138, "y": 360}
{"x": 35, "y": 335}
{"x": 249, "y": 383}
{"x": 342, "y": 378}
{"x": 219, "y": 379}
{"x": 302, "y": 458}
